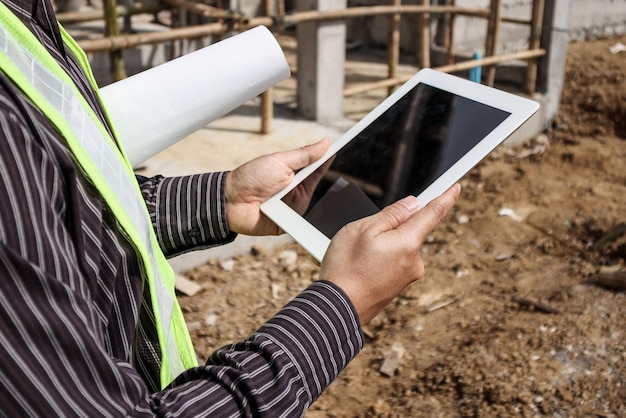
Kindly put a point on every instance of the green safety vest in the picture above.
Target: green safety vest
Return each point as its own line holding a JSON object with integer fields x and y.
{"x": 31, "y": 67}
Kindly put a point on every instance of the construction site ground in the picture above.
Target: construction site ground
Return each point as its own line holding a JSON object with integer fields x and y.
{"x": 522, "y": 308}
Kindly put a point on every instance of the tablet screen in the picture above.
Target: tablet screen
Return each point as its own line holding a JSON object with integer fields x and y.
{"x": 401, "y": 153}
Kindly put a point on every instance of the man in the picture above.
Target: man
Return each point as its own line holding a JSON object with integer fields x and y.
{"x": 88, "y": 326}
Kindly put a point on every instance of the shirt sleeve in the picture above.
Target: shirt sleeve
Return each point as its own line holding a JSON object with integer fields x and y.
{"x": 55, "y": 318}
{"x": 187, "y": 212}
{"x": 284, "y": 366}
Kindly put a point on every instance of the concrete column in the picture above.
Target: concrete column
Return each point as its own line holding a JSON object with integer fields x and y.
{"x": 321, "y": 59}
{"x": 551, "y": 68}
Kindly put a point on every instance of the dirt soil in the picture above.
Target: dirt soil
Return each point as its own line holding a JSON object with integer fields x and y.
{"x": 522, "y": 310}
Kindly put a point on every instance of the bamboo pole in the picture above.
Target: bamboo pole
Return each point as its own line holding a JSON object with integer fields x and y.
{"x": 493, "y": 31}
{"x": 350, "y": 12}
{"x": 201, "y": 9}
{"x": 278, "y": 16}
{"x": 450, "y": 36}
{"x": 118, "y": 42}
{"x": 423, "y": 24}
{"x": 198, "y": 31}
{"x": 393, "y": 52}
{"x": 126, "y": 19}
{"x": 68, "y": 18}
{"x": 535, "y": 40}
{"x": 267, "y": 97}
{"x": 133, "y": 40}
{"x": 111, "y": 29}
{"x": 451, "y": 68}
{"x": 496, "y": 59}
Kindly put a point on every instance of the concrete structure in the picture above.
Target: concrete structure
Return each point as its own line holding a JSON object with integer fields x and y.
{"x": 321, "y": 60}
{"x": 591, "y": 19}
{"x": 564, "y": 20}
{"x": 321, "y": 50}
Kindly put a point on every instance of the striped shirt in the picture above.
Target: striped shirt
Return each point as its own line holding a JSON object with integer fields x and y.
{"x": 77, "y": 337}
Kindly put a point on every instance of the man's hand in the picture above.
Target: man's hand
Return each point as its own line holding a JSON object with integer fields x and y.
{"x": 256, "y": 181}
{"x": 375, "y": 258}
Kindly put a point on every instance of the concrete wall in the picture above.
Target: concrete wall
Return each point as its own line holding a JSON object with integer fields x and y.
{"x": 591, "y": 19}
{"x": 588, "y": 19}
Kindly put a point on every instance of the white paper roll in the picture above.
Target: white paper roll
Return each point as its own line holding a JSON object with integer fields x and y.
{"x": 158, "y": 107}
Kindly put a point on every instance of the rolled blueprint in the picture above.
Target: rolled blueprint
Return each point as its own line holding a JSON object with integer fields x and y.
{"x": 158, "y": 107}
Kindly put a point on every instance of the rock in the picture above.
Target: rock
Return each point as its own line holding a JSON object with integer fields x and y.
{"x": 211, "y": 319}
{"x": 194, "y": 326}
{"x": 227, "y": 265}
{"x": 392, "y": 360}
{"x": 186, "y": 286}
{"x": 288, "y": 258}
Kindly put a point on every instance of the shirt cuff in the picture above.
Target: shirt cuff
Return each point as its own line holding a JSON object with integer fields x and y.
{"x": 321, "y": 333}
{"x": 189, "y": 212}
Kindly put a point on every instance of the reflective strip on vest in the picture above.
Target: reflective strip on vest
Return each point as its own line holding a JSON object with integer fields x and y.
{"x": 34, "y": 70}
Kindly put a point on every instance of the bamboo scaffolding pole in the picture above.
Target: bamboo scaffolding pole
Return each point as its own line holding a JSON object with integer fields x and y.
{"x": 450, "y": 68}
{"x": 322, "y": 15}
{"x": 68, "y": 18}
{"x": 361, "y": 11}
{"x": 280, "y": 12}
{"x": 534, "y": 43}
{"x": 496, "y": 59}
{"x": 198, "y": 31}
{"x": 126, "y": 19}
{"x": 290, "y": 19}
{"x": 202, "y": 9}
{"x": 395, "y": 11}
{"x": 267, "y": 97}
{"x": 493, "y": 31}
{"x": 450, "y": 34}
{"x": 423, "y": 24}
{"x": 111, "y": 29}
{"x": 137, "y": 39}
{"x": 393, "y": 51}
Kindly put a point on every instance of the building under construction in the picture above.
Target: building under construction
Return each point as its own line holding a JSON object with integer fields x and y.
{"x": 519, "y": 46}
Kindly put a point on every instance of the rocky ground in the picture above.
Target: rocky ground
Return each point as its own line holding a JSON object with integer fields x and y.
{"x": 522, "y": 308}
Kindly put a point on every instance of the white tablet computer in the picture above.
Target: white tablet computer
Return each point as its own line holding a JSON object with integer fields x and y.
{"x": 420, "y": 141}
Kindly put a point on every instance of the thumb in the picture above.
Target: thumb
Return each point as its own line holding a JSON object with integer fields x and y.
{"x": 301, "y": 157}
{"x": 396, "y": 214}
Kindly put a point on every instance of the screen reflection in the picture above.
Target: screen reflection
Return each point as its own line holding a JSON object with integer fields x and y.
{"x": 402, "y": 152}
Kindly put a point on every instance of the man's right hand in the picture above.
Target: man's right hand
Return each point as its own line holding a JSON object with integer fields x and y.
{"x": 375, "y": 258}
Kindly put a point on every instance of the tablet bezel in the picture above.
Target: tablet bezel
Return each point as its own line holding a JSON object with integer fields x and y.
{"x": 520, "y": 109}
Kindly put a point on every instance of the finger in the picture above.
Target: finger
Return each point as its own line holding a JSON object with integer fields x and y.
{"x": 301, "y": 157}
{"x": 311, "y": 182}
{"x": 394, "y": 215}
{"x": 432, "y": 214}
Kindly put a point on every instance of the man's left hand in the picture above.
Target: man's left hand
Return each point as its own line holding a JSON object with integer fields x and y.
{"x": 252, "y": 183}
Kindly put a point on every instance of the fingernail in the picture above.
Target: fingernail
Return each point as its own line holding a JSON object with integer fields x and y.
{"x": 410, "y": 202}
